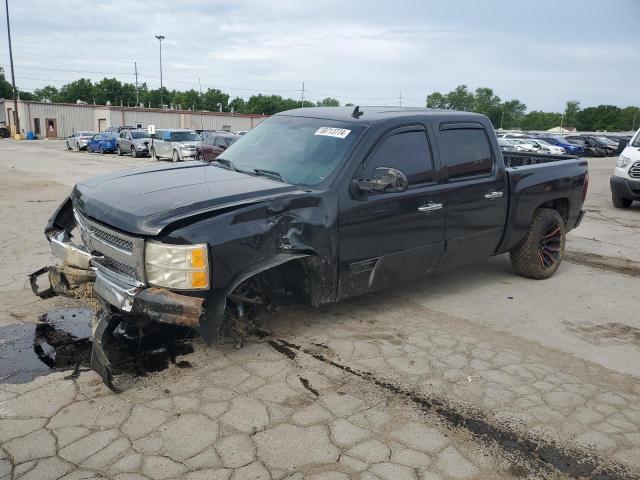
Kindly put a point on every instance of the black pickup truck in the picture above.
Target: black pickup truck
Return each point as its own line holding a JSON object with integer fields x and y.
{"x": 316, "y": 204}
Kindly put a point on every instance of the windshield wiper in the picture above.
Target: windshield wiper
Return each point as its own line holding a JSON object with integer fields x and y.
{"x": 224, "y": 163}
{"x": 269, "y": 173}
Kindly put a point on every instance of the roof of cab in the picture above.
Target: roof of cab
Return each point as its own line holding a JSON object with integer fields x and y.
{"x": 371, "y": 114}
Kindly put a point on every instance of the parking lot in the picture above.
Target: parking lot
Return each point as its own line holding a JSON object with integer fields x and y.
{"x": 478, "y": 373}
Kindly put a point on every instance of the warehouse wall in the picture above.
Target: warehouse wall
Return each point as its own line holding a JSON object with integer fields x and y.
{"x": 73, "y": 117}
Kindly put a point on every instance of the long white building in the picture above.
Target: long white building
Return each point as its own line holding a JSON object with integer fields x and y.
{"x": 59, "y": 120}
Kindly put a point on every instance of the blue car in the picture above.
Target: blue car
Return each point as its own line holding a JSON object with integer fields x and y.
{"x": 570, "y": 148}
{"x": 102, "y": 143}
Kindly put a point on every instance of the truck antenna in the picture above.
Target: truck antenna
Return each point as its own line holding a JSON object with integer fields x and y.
{"x": 356, "y": 112}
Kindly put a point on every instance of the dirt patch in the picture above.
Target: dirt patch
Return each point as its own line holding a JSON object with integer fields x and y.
{"x": 612, "y": 332}
{"x": 615, "y": 264}
{"x": 534, "y": 452}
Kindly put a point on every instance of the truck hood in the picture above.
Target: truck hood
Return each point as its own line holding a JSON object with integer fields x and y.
{"x": 143, "y": 201}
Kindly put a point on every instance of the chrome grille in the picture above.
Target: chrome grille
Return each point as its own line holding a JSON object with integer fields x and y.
{"x": 117, "y": 252}
{"x": 634, "y": 171}
{"x": 118, "y": 267}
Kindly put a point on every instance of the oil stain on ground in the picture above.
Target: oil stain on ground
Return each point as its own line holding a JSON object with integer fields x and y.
{"x": 62, "y": 340}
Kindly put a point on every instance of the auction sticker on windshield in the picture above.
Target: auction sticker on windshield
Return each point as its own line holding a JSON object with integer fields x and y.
{"x": 333, "y": 132}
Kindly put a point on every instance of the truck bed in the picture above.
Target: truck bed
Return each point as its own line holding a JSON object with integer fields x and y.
{"x": 521, "y": 159}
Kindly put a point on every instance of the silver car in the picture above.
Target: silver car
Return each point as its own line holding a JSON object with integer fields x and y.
{"x": 134, "y": 142}
{"x": 177, "y": 144}
{"x": 78, "y": 141}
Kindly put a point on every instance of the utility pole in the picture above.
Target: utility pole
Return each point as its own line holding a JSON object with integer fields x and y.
{"x": 633, "y": 125}
{"x": 302, "y": 98}
{"x": 160, "y": 38}
{"x": 135, "y": 64}
{"x": 502, "y": 119}
{"x": 400, "y": 98}
{"x": 16, "y": 120}
{"x": 561, "y": 122}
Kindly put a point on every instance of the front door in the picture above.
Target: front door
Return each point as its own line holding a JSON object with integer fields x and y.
{"x": 476, "y": 200}
{"x": 387, "y": 238}
{"x": 52, "y": 127}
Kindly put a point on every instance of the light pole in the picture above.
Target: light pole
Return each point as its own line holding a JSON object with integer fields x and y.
{"x": 160, "y": 38}
{"x": 16, "y": 119}
{"x": 502, "y": 119}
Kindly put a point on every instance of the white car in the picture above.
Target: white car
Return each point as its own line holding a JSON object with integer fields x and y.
{"x": 625, "y": 182}
{"x": 546, "y": 146}
{"x": 521, "y": 145}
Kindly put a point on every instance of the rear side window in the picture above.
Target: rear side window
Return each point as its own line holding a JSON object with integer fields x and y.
{"x": 406, "y": 151}
{"x": 466, "y": 152}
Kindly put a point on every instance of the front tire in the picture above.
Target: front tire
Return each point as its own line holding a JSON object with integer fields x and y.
{"x": 134, "y": 152}
{"x": 175, "y": 157}
{"x": 541, "y": 252}
{"x": 201, "y": 157}
{"x": 153, "y": 154}
{"x": 101, "y": 150}
{"x": 620, "y": 202}
{"x": 68, "y": 146}
{"x": 119, "y": 151}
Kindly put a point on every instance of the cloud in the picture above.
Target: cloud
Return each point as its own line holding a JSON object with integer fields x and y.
{"x": 369, "y": 51}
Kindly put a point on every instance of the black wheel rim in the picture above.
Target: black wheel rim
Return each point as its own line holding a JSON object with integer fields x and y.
{"x": 550, "y": 243}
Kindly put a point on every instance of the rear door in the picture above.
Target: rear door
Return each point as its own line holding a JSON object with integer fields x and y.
{"x": 476, "y": 200}
{"x": 387, "y": 238}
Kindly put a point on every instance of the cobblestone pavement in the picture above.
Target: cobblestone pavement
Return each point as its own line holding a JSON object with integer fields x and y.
{"x": 381, "y": 387}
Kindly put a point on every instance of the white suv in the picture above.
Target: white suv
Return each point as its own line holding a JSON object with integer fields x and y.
{"x": 176, "y": 144}
{"x": 625, "y": 182}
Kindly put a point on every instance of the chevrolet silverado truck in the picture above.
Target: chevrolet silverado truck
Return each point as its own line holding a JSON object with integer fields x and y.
{"x": 318, "y": 205}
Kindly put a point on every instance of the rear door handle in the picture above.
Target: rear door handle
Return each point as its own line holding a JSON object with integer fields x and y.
{"x": 430, "y": 207}
{"x": 492, "y": 195}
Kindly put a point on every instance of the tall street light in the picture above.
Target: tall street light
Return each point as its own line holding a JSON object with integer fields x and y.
{"x": 16, "y": 120}
{"x": 160, "y": 38}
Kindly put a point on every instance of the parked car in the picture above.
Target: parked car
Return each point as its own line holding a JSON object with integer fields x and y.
{"x": 588, "y": 151}
{"x": 214, "y": 145}
{"x": 519, "y": 145}
{"x": 593, "y": 142}
{"x": 193, "y": 246}
{"x": 561, "y": 142}
{"x": 102, "y": 143}
{"x": 119, "y": 129}
{"x": 506, "y": 146}
{"x": 134, "y": 142}
{"x": 78, "y": 141}
{"x": 544, "y": 146}
{"x": 176, "y": 144}
{"x": 625, "y": 182}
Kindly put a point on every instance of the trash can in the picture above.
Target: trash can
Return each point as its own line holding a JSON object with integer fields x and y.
{"x": 31, "y": 136}
{"x": 17, "y": 136}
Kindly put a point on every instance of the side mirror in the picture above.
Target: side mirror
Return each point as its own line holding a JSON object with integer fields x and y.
{"x": 384, "y": 180}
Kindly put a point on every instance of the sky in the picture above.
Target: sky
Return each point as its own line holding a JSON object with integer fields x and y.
{"x": 541, "y": 52}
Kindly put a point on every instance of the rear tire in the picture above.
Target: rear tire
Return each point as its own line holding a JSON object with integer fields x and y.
{"x": 153, "y": 154}
{"x": 620, "y": 202}
{"x": 101, "y": 150}
{"x": 119, "y": 151}
{"x": 200, "y": 157}
{"x": 175, "y": 157}
{"x": 134, "y": 152}
{"x": 541, "y": 252}
{"x": 68, "y": 146}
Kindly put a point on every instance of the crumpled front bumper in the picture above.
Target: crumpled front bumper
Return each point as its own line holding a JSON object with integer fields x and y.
{"x": 124, "y": 296}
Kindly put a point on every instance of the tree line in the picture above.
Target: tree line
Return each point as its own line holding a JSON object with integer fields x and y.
{"x": 119, "y": 93}
{"x": 512, "y": 114}
{"x": 508, "y": 114}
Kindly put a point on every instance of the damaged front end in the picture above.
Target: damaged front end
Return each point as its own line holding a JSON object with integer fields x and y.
{"x": 111, "y": 263}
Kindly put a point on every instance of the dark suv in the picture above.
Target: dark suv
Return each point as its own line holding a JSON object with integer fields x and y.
{"x": 214, "y": 144}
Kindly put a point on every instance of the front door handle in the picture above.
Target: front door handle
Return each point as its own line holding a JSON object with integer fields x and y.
{"x": 492, "y": 195}
{"x": 430, "y": 207}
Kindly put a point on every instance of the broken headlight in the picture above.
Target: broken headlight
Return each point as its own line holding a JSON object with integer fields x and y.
{"x": 180, "y": 267}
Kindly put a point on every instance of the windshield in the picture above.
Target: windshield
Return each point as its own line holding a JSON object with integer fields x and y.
{"x": 86, "y": 134}
{"x": 636, "y": 141}
{"x": 140, "y": 135}
{"x": 185, "y": 137}
{"x": 302, "y": 151}
{"x": 228, "y": 140}
{"x": 110, "y": 135}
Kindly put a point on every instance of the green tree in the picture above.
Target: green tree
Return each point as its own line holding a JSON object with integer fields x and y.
{"x": 571, "y": 111}
{"x": 6, "y": 90}
{"x": 488, "y": 103}
{"x": 48, "y": 93}
{"x": 81, "y": 89}
{"x": 112, "y": 90}
{"x": 460, "y": 98}
{"x": 629, "y": 119}
{"x": 189, "y": 99}
{"x": 238, "y": 105}
{"x": 539, "y": 120}
{"x": 436, "y": 100}
{"x": 513, "y": 113}
{"x": 212, "y": 97}
{"x": 602, "y": 117}
{"x": 328, "y": 102}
